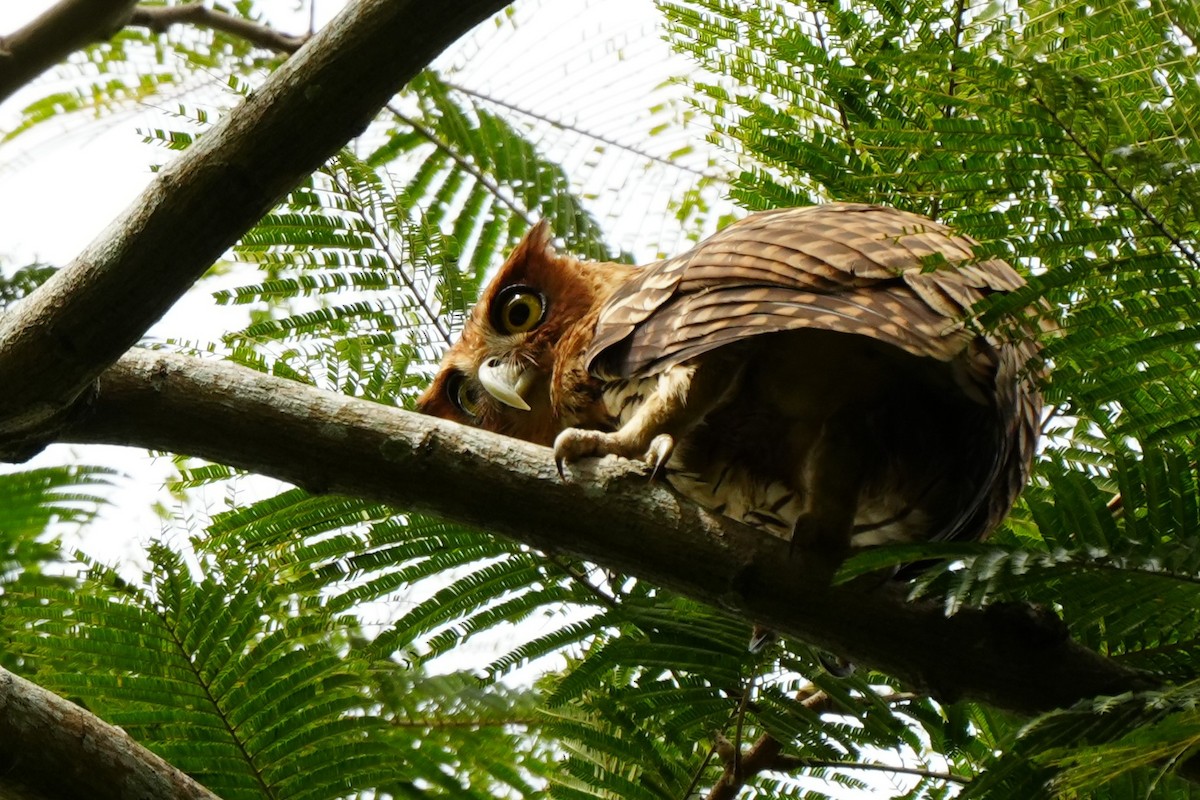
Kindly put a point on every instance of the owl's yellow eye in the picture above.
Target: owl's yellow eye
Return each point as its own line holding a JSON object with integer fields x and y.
{"x": 518, "y": 309}
{"x": 462, "y": 396}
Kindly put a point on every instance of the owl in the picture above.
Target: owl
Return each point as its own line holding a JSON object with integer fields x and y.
{"x": 812, "y": 372}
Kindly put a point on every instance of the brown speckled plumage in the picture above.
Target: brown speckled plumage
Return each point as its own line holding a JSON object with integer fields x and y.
{"x": 809, "y": 371}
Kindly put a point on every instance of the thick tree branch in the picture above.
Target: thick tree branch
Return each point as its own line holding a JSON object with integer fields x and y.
{"x": 66, "y": 27}
{"x": 159, "y": 18}
{"x": 1010, "y": 657}
{"x": 54, "y": 344}
{"x": 51, "y": 749}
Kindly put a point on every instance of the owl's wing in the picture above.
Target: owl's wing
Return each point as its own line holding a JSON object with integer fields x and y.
{"x": 850, "y": 268}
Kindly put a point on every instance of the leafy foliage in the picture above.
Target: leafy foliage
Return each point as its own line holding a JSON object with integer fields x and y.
{"x": 37, "y": 506}
{"x": 137, "y": 65}
{"x": 1056, "y": 132}
{"x": 258, "y": 690}
{"x": 23, "y": 281}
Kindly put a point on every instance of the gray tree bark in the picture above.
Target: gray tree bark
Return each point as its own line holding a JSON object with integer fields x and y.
{"x": 64, "y": 28}
{"x": 607, "y": 512}
{"x": 51, "y": 749}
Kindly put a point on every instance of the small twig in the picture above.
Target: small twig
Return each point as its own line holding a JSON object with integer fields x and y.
{"x": 960, "y": 11}
{"x": 761, "y": 756}
{"x": 935, "y": 205}
{"x": 580, "y": 578}
{"x": 764, "y": 755}
{"x": 565, "y": 126}
{"x": 847, "y": 128}
{"x": 815, "y": 763}
{"x": 160, "y": 18}
{"x": 469, "y": 724}
{"x": 747, "y": 692}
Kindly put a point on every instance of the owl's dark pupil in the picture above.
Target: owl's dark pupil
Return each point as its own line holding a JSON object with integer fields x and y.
{"x": 518, "y": 313}
{"x": 518, "y": 309}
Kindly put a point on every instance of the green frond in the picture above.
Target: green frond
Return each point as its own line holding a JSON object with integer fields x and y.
{"x": 231, "y": 677}
{"x": 475, "y": 164}
{"x": 246, "y": 682}
{"x": 1120, "y": 747}
{"x": 37, "y": 506}
{"x": 31, "y": 501}
{"x": 491, "y": 734}
{"x": 138, "y": 66}
{"x": 22, "y": 281}
{"x": 343, "y": 236}
{"x": 286, "y": 518}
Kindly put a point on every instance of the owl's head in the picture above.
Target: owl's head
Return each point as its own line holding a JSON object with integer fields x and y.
{"x": 536, "y": 314}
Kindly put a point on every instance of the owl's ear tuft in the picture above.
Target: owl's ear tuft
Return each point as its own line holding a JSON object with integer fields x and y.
{"x": 533, "y": 254}
{"x": 536, "y": 240}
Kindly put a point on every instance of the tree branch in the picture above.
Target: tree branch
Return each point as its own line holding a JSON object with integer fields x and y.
{"x": 64, "y": 28}
{"x": 764, "y": 755}
{"x": 54, "y": 344}
{"x": 1012, "y": 657}
{"x": 160, "y": 18}
{"x": 51, "y": 749}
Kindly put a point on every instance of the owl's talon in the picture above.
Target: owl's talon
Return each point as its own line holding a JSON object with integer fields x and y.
{"x": 659, "y": 453}
{"x": 573, "y": 444}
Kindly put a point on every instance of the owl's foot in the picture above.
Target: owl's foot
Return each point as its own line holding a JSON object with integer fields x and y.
{"x": 836, "y": 666}
{"x": 576, "y": 443}
{"x": 761, "y": 638}
{"x": 659, "y": 453}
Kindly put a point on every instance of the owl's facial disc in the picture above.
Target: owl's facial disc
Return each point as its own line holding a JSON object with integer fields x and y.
{"x": 507, "y": 381}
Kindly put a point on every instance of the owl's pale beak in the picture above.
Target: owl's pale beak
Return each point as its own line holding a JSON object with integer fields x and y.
{"x": 506, "y": 381}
